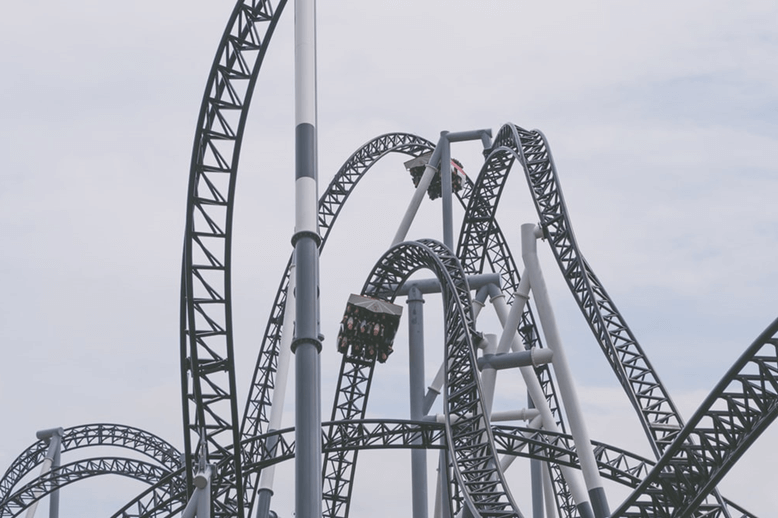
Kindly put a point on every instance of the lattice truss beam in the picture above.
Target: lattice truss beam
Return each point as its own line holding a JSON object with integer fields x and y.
{"x": 738, "y": 410}
{"x": 208, "y": 372}
{"x": 359, "y": 434}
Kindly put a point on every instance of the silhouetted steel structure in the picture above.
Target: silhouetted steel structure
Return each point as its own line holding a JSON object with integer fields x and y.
{"x": 690, "y": 458}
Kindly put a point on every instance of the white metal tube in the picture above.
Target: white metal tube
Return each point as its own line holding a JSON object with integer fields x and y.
{"x": 507, "y": 460}
{"x": 489, "y": 376}
{"x": 418, "y": 196}
{"x": 190, "y": 511}
{"x": 580, "y": 433}
{"x": 511, "y": 323}
{"x": 46, "y": 467}
{"x": 535, "y": 391}
{"x": 282, "y": 374}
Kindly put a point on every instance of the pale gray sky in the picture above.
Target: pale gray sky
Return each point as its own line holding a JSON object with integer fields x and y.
{"x": 663, "y": 121}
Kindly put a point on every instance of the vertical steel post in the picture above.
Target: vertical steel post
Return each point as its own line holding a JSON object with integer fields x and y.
{"x": 415, "y": 303}
{"x": 50, "y": 461}
{"x": 445, "y": 190}
{"x": 536, "y": 478}
{"x": 583, "y": 443}
{"x": 306, "y": 240}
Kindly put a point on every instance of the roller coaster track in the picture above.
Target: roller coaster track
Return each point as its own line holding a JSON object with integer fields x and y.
{"x": 103, "y": 434}
{"x": 362, "y": 434}
{"x": 468, "y": 434}
{"x": 79, "y": 470}
{"x": 255, "y": 417}
{"x": 692, "y": 458}
{"x": 207, "y": 365}
{"x": 737, "y": 411}
{"x": 656, "y": 411}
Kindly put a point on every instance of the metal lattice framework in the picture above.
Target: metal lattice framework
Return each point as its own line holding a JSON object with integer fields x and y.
{"x": 102, "y": 434}
{"x": 692, "y": 458}
{"x": 80, "y": 470}
{"x": 210, "y": 406}
{"x": 738, "y": 410}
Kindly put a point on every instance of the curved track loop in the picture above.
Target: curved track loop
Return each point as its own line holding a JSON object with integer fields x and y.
{"x": 657, "y": 413}
{"x": 275, "y": 447}
{"x": 468, "y": 434}
{"x": 736, "y": 412}
{"x": 80, "y": 470}
{"x": 207, "y": 366}
{"x": 84, "y": 436}
{"x": 256, "y": 414}
{"x": 481, "y": 241}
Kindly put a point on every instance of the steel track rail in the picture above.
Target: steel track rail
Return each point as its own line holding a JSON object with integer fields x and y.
{"x": 481, "y": 242}
{"x": 278, "y": 446}
{"x": 207, "y": 365}
{"x": 80, "y": 470}
{"x": 102, "y": 434}
{"x": 471, "y": 446}
{"x": 737, "y": 411}
{"x": 258, "y": 403}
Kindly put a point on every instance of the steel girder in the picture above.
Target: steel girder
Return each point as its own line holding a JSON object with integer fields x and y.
{"x": 102, "y": 434}
{"x": 79, "y": 470}
{"x": 338, "y": 436}
{"x": 468, "y": 434}
{"x": 736, "y": 412}
{"x": 207, "y": 366}
{"x": 481, "y": 240}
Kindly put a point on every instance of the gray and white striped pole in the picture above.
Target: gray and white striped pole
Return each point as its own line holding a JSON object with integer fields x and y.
{"x": 306, "y": 344}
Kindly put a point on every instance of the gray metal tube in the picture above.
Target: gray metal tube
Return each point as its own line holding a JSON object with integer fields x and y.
{"x": 445, "y": 190}
{"x": 415, "y": 303}
{"x": 426, "y": 286}
{"x": 529, "y": 235}
{"x": 307, "y": 343}
{"x": 488, "y": 374}
{"x": 460, "y": 136}
{"x": 56, "y": 445}
{"x": 548, "y": 492}
{"x": 50, "y": 461}
{"x": 190, "y": 511}
{"x": 534, "y": 357}
{"x": 536, "y": 480}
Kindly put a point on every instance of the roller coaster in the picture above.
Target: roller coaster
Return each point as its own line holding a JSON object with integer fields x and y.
{"x": 237, "y": 449}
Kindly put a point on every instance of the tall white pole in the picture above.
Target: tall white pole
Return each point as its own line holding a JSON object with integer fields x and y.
{"x": 583, "y": 443}
{"x": 307, "y": 344}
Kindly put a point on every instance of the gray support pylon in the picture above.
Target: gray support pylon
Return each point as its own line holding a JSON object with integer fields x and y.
{"x": 415, "y": 303}
{"x": 548, "y": 492}
{"x": 202, "y": 481}
{"x": 488, "y": 374}
{"x": 306, "y": 240}
{"x": 484, "y": 288}
{"x": 50, "y": 461}
{"x": 580, "y": 433}
{"x": 536, "y": 479}
{"x": 442, "y": 497}
{"x": 190, "y": 511}
{"x": 445, "y": 190}
{"x": 427, "y": 286}
{"x": 56, "y": 445}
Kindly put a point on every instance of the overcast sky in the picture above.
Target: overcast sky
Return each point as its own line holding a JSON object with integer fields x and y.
{"x": 663, "y": 122}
